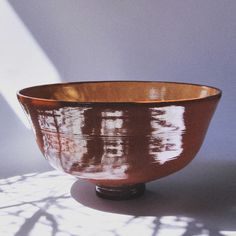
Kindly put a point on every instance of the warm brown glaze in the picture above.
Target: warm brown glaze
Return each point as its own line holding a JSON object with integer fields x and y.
{"x": 119, "y": 92}
{"x": 120, "y": 133}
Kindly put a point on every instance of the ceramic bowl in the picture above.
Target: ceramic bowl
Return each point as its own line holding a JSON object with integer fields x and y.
{"x": 119, "y": 135}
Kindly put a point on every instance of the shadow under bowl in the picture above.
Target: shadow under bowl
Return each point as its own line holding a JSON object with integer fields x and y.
{"x": 121, "y": 134}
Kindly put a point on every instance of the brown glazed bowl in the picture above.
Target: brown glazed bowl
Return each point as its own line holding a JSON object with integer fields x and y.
{"x": 119, "y": 135}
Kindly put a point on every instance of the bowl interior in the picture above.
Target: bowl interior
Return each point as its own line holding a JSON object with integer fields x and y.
{"x": 119, "y": 91}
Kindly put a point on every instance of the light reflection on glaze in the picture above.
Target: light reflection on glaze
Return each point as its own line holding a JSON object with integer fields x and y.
{"x": 157, "y": 93}
{"x": 114, "y": 159}
{"x": 107, "y": 143}
{"x": 168, "y": 127}
{"x": 60, "y": 146}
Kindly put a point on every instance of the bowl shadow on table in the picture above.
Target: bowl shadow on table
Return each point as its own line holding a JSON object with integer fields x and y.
{"x": 203, "y": 196}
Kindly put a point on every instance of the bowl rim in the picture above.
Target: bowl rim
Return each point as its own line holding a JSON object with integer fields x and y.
{"x": 45, "y": 101}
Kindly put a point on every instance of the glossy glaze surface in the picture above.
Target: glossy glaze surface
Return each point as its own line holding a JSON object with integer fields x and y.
{"x": 107, "y": 92}
{"x": 119, "y": 133}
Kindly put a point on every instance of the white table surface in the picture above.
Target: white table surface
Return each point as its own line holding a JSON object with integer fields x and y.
{"x": 199, "y": 200}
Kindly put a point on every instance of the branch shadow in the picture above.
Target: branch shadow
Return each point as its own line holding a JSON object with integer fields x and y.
{"x": 205, "y": 200}
{"x": 201, "y": 200}
{"x": 33, "y": 210}
{"x": 30, "y": 223}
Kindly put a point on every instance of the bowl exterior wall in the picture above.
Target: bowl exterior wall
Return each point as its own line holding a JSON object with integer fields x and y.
{"x": 119, "y": 144}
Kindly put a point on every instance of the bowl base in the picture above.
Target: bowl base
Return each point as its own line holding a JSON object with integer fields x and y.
{"x": 120, "y": 193}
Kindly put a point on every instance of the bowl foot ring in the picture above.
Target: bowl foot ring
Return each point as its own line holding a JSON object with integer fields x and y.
{"x": 120, "y": 193}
